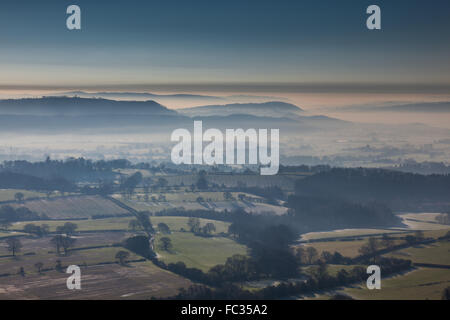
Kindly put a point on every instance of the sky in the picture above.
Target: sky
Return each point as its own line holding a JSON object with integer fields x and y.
{"x": 310, "y": 47}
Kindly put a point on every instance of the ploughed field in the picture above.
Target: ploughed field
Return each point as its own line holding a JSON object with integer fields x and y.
{"x": 97, "y": 242}
{"x": 73, "y": 207}
{"x": 140, "y": 280}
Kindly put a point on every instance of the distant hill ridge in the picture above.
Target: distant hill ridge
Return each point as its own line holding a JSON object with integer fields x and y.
{"x": 132, "y": 95}
{"x": 272, "y": 109}
{"x": 53, "y": 105}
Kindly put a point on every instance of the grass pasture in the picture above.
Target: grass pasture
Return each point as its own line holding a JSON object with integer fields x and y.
{"x": 332, "y": 269}
{"x": 419, "y": 284}
{"x": 346, "y": 233}
{"x": 121, "y": 224}
{"x": 435, "y": 253}
{"x": 83, "y": 225}
{"x": 199, "y": 252}
{"x": 422, "y": 221}
{"x": 8, "y": 194}
{"x": 346, "y": 248}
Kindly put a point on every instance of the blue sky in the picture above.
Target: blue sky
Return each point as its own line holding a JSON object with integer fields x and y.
{"x": 137, "y": 44}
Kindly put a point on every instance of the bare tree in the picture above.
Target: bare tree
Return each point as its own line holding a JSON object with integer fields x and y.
{"x": 19, "y": 196}
{"x": 38, "y": 266}
{"x": 63, "y": 242}
{"x": 122, "y": 256}
{"x": 134, "y": 225}
{"x": 14, "y": 245}
{"x": 166, "y": 243}
{"x": 311, "y": 254}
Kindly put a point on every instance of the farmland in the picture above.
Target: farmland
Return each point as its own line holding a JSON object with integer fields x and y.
{"x": 96, "y": 246}
{"x": 419, "y": 284}
{"x": 347, "y": 233}
{"x": 73, "y": 207}
{"x": 141, "y": 280}
{"x": 8, "y": 194}
{"x": 435, "y": 253}
{"x": 199, "y": 252}
{"x": 103, "y": 225}
{"x": 232, "y": 180}
{"x": 103, "y": 277}
{"x": 122, "y": 224}
{"x": 199, "y": 201}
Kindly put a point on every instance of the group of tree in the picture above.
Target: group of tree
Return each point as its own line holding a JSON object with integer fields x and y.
{"x": 374, "y": 245}
{"x": 165, "y": 244}
{"x": 398, "y": 190}
{"x": 163, "y": 228}
{"x": 13, "y": 180}
{"x": 202, "y": 183}
{"x": 196, "y": 228}
{"x": 443, "y": 218}
{"x": 145, "y": 223}
{"x": 236, "y": 268}
{"x": 36, "y": 230}
{"x": 122, "y": 256}
{"x": 68, "y": 229}
{"x": 140, "y": 245}
{"x": 13, "y": 245}
{"x": 11, "y": 214}
{"x": 321, "y": 280}
{"x": 19, "y": 197}
{"x": 130, "y": 183}
{"x": 319, "y": 212}
{"x": 64, "y": 242}
{"x": 270, "y": 193}
{"x": 309, "y": 255}
{"x": 74, "y": 169}
{"x": 269, "y": 243}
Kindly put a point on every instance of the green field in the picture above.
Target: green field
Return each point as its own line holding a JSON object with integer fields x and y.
{"x": 183, "y": 196}
{"x": 419, "y": 284}
{"x": 174, "y": 223}
{"x": 199, "y": 252}
{"x": 422, "y": 221}
{"x": 77, "y": 257}
{"x": 346, "y": 233}
{"x": 8, "y": 194}
{"x": 332, "y": 269}
{"x": 4, "y": 234}
{"x": 435, "y": 253}
{"x": 346, "y": 248}
{"x": 83, "y": 225}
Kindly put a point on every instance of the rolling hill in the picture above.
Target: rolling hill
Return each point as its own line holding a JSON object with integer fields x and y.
{"x": 266, "y": 109}
{"x": 75, "y": 106}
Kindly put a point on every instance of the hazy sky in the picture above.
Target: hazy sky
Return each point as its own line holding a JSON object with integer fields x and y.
{"x": 310, "y": 46}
